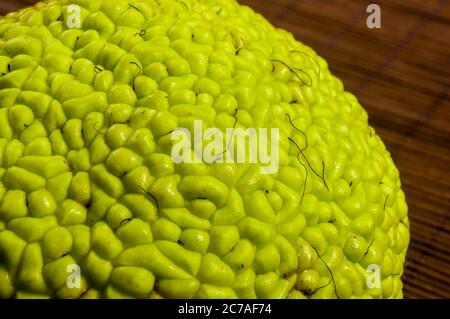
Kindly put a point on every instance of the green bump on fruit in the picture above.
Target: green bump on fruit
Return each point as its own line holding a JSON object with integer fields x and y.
{"x": 72, "y": 134}
{"x": 150, "y": 257}
{"x": 13, "y": 205}
{"x": 308, "y": 281}
{"x": 32, "y": 229}
{"x": 99, "y": 204}
{"x": 165, "y": 190}
{"x": 267, "y": 259}
{"x": 111, "y": 184}
{"x": 117, "y": 213}
{"x": 133, "y": 280}
{"x": 91, "y": 294}
{"x": 80, "y": 188}
{"x": 283, "y": 288}
{"x": 134, "y": 232}
{"x": 12, "y": 153}
{"x": 98, "y": 269}
{"x": 244, "y": 284}
{"x": 66, "y": 292}
{"x": 99, "y": 150}
{"x": 223, "y": 239}
{"x": 56, "y": 243}
{"x": 40, "y": 146}
{"x": 20, "y": 116}
{"x": 196, "y": 240}
{"x": 19, "y": 178}
{"x": 35, "y": 130}
{"x": 178, "y": 288}
{"x": 88, "y": 178}
{"x": 214, "y": 271}
{"x": 186, "y": 259}
{"x": 288, "y": 255}
{"x": 110, "y": 292}
{"x": 6, "y": 286}
{"x": 241, "y": 256}
{"x": 265, "y": 284}
{"x": 184, "y": 219}
{"x": 355, "y": 248}
{"x": 71, "y": 212}
{"x": 79, "y": 160}
{"x": 138, "y": 179}
{"x": 343, "y": 287}
{"x": 46, "y": 166}
{"x": 257, "y": 231}
{"x": 207, "y": 291}
{"x": 81, "y": 246}
{"x": 258, "y": 206}
{"x": 231, "y": 213}
{"x": 159, "y": 164}
{"x": 30, "y": 275}
{"x": 204, "y": 187}
{"x": 117, "y": 135}
{"x": 59, "y": 185}
{"x": 306, "y": 255}
{"x": 141, "y": 206}
{"x": 11, "y": 249}
{"x": 121, "y": 161}
{"x": 104, "y": 241}
{"x": 316, "y": 238}
{"x": 57, "y": 142}
{"x": 164, "y": 229}
{"x": 55, "y": 272}
{"x": 141, "y": 142}
{"x": 202, "y": 208}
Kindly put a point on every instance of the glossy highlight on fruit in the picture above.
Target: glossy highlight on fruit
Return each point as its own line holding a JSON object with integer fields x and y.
{"x": 87, "y": 179}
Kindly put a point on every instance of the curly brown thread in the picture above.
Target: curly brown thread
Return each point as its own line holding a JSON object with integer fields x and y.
{"x": 310, "y": 56}
{"x": 370, "y": 245}
{"x": 152, "y": 196}
{"x": 140, "y": 33}
{"x": 140, "y": 71}
{"x": 98, "y": 69}
{"x": 229, "y": 142}
{"x": 184, "y": 3}
{"x": 293, "y": 71}
{"x": 124, "y": 221}
{"x": 237, "y": 45}
{"x": 304, "y": 166}
{"x": 97, "y": 130}
{"x": 329, "y": 269}
{"x": 385, "y": 202}
{"x": 134, "y": 8}
{"x": 301, "y": 150}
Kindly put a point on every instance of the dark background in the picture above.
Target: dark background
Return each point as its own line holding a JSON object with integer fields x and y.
{"x": 401, "y": 75}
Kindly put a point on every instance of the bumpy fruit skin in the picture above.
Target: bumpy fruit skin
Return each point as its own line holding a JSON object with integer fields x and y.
{"x": 87, "y": 178}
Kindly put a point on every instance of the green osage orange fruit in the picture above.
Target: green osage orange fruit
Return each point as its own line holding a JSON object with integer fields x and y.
{"x": 93, "y": 205}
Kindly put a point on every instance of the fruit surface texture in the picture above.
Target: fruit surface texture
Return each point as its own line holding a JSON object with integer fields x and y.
{"x": 93, "y": 204}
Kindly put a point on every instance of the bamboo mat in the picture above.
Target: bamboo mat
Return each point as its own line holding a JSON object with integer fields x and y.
{"x": 401, "y": 75}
